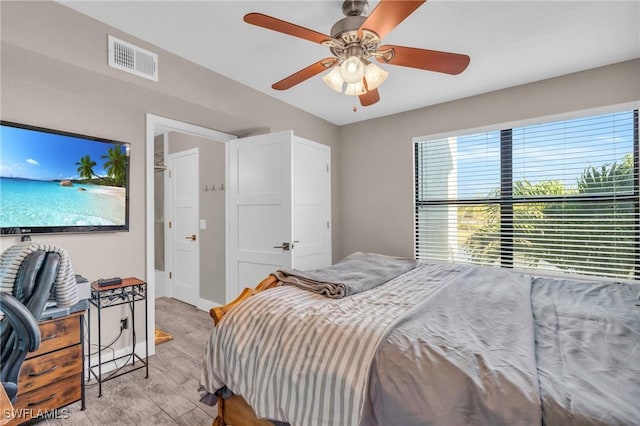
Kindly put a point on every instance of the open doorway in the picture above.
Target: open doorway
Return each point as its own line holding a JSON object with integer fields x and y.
{"x": 167, "y": 137}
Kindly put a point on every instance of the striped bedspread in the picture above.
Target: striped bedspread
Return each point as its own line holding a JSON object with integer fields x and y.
{"x": 65, "y": 286}
{"x": 306, "y": 361}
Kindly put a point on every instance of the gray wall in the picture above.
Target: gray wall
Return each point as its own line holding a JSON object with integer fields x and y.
{"x": 211, "y": 161}
{"x": 54, "y": 74}
{"x": 376, "y": 157}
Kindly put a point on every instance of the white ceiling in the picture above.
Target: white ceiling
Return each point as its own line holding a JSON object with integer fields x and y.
{"x": 509, "y": 42}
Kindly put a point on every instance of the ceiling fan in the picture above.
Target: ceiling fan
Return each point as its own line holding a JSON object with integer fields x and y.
{"x": 354, "y": 40}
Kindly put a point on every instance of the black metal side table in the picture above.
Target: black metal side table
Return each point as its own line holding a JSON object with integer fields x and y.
{"x": 130, "y": 291}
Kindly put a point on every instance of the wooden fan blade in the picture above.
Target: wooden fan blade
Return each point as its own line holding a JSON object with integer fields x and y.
{"x": 429, "y": 60}
{"x": 305, "y": 74}
{"x": 369, "y": 98}
{"x": 387, "y": 15}
{"x": 284, "y": 27}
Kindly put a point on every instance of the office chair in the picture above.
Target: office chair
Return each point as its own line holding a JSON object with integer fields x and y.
{"x": 19, "y": 332}
{"x": 22, "y": 325}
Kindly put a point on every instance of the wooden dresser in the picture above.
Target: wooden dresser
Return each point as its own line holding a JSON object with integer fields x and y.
{"x": 52, "y": 376}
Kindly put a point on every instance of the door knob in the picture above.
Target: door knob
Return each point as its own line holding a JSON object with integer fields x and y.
{"x": 284, "y": 246}
{"x": 192, "y": 237}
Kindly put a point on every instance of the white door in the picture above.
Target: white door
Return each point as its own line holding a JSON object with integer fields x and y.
{"x": 268, "y": 228}
{"x": 259, "y": 208}
{"x": 184, "y": 282}
{"x": 311, "y": 204}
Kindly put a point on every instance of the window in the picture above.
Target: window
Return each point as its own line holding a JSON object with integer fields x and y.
{"x": 560, "y": 197}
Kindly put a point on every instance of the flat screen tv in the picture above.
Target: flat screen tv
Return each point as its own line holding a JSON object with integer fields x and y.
{"x": 54, "y": 182}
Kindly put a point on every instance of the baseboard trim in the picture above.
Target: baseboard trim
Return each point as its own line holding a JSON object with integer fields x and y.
{"x": 206, "y": 305}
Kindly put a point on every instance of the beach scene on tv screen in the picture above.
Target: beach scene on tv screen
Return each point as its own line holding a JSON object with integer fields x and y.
{"x": 52, "y": 180}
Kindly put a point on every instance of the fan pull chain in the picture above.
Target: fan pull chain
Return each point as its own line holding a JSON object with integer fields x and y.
{"x": 355, "y": 108}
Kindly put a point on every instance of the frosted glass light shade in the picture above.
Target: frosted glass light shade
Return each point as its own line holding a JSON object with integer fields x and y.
{"x": 352, "y": 70}
{"x": 333, "y": 79}
{"x": 355, "y": 89}
{"x": 374, "y": 75}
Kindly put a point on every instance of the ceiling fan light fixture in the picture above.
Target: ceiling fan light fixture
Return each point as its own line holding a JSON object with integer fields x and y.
{"x": 353, "y": 41}
{"x": 374, "y": 75}
{"x": 334, "y": 80}
{"x": 352, "y": 69}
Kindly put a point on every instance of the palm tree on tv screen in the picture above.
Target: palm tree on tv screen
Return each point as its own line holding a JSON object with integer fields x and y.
{"x": 116, "y": 165}
{"x": 85, "y": 167}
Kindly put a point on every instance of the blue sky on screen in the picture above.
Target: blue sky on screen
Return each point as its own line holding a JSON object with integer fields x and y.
{"x": 45, "y": 156}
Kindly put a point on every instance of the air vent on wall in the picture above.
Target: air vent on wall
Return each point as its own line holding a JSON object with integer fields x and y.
{"x": 132, "y": 59}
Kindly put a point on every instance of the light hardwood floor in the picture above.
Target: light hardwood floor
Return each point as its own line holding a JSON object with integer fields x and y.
{"x": 170, "y": 395}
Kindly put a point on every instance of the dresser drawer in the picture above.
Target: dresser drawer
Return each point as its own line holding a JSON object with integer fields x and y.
{"x": 45, "y": 369}
{"x": 39, "y": 401}
{"x": 58, "y": 333}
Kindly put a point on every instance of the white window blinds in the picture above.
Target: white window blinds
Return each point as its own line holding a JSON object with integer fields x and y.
{"x": 561, "y": 197}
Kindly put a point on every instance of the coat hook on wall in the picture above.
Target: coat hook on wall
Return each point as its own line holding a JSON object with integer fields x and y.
{"x": 213, "y": 187}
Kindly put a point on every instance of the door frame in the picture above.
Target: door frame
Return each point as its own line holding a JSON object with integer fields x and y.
{"x": 168, "y": 240}
{"x": 156, "y": 124}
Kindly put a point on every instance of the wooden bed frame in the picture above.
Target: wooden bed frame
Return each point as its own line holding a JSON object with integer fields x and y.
{"x": 235, "y": 411}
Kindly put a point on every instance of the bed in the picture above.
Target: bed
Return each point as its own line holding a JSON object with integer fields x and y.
{"x": 436, "y": 344}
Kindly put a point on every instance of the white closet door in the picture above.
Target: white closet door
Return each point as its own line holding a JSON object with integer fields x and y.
{"x": 279, "y": 207}
{"x": 311, "y": 204}
{"x": 259, "y": 208}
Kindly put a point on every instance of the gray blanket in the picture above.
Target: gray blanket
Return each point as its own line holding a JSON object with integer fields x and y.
{"x": 460, "y": 351}
{"x": 465, "y": 356}
{"x": 588, "y": 350}
{"x": 354, "y": 274}
{"x": 477, "y": 346}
